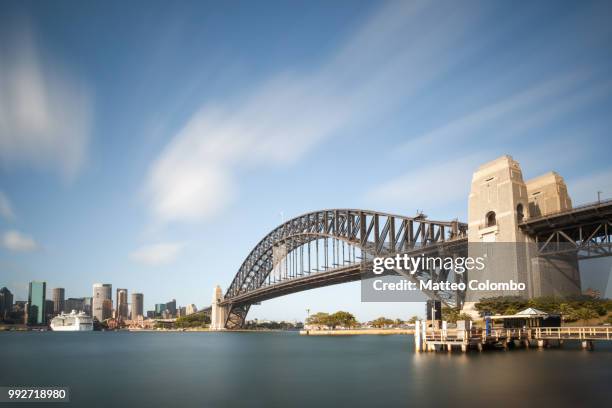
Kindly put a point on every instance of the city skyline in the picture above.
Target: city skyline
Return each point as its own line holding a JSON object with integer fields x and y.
{"x": 154, "y": 157}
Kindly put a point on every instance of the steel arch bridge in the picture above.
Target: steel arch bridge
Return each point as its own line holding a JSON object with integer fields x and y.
{"x": 333, "y": 246}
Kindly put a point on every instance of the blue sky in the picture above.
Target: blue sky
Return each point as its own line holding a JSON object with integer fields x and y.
{"x": 151, "y": 145}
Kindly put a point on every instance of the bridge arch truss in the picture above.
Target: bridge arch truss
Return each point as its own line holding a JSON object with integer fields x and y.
{"x": 326, "y": 247}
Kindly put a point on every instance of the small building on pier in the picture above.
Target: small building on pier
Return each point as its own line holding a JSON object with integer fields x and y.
{"x": 528, "y": 318}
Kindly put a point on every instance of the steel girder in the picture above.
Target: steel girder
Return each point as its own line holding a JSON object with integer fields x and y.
{"x": 584, "y": 230}
{"x": 375, "y": 233}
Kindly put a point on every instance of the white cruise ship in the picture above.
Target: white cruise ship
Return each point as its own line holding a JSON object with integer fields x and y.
{"x": 72, "y": 322}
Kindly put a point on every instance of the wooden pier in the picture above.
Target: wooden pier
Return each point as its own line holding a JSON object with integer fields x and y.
{"x": 434, "y": 339}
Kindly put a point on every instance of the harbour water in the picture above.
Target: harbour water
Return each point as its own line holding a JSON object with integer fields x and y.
{"x": 176, "y": 369}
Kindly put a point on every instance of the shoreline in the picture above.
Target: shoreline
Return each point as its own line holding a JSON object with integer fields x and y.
{"x": 356, "y": 332}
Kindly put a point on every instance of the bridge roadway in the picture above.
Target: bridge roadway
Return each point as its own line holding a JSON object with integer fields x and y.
{"x": 349, "y": 273}
{"x": 586, "y": 229}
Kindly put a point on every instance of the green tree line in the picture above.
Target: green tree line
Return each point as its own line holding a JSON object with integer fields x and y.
{"x": 571, "y": 309}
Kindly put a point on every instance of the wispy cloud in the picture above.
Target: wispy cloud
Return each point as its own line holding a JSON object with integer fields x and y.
{"x": 6, "y": 209}
{"x": 584, "y": 189}
{"x": 430, "y": 187}
{"x": 45, "y": 112}
{"x": 278, "y": 122}
{"x": 157, "y": 254}
{"x": 17, "y": 242}
{"x": 514, "y": 114}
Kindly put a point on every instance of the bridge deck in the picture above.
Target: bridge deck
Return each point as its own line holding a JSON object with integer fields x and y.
{"x": 582, "y": 215}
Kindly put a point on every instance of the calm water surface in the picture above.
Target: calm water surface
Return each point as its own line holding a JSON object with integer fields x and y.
{"x": 123, "y": 369}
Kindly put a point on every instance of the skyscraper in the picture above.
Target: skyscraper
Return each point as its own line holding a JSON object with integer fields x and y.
{"x": 37, "y": 296}
{"x": 88, "y": 305}
{"x": 58, "y": 300}
{"x": 171, "y": 307}
{"x": 122, "y": 304}
{"x": 75, "y": 304}
{"x": 159, "y": 308}
{"x": 6, "y": 302}
{"x": 49, "y": 310}
{"x": 137, "y": 305}
{"x": 102, "y": 298}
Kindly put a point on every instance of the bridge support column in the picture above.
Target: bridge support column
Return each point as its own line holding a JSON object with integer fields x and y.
{"x": 218, "y": 313}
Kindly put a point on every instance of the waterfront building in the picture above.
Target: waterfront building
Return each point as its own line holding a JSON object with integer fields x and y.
{"x": 122, "y": 304}
{"x": 37, "y": 294}
{"x": 6, "y": 303}
{"x": 49, "y": 308}
{"x": 159, "y": 308}
{"x": 102, "y": 303}
{"x": 171, "y": 307}
{"x": 19, "y": 311}
{"x": 77, "y": 304}
{"x": 150, "y": 314}
{"x": 137, "y": 305}
{"x": 58, "y": 296}
{"x": 190, "y": 309}
{"x": 88, "y": 305}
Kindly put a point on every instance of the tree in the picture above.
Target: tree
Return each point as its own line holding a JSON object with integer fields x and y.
{"x": 382, "y": 322}
{"x": 586, "y": 314}
{"x": 464, "y": 316}
{"x": 450, "y": 314}
{"x": 568, "y": 313}
{"x": 511, "y": 310}
{"x": 193, "y": 320}
{"x": 341, "y": 318}
{"x": 319, "y": 319}
{"x": 413, "y": 319}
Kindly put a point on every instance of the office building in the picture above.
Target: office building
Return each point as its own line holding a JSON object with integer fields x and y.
{"x": 59, "y": 304}
{"x": 137, "y": 305}
{"x": 6, "y": 303}
{"x": 77, "y": 304}
{"x": 102, "y": 303}
{"x": 88, "y": 305}
{"x": 49, "y": 308}
{"x": 150, "y": 314}
{"x": 171, "y": 307}
{"x": 122, "y": 304}
{"x": 159, "y": 308}
{"x": 190, "y": 309}
{"x": 37, "y": 296}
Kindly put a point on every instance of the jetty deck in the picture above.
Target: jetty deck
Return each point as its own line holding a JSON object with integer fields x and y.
{"x": 433, "y": 339}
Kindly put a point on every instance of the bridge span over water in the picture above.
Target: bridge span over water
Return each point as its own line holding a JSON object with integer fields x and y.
{"x": 333, "y": 246}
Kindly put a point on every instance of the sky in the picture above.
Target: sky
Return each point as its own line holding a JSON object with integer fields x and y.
{"x": 151, "y": 145}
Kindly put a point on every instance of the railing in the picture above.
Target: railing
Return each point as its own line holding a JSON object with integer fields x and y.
{"x": 570, "y": 210}
{"x": 578, "y": 333}
{"x": 532, "y": 333}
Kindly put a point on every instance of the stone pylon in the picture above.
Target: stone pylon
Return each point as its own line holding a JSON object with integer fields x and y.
{"x": 500, "y": 200}
{"x": 218, "y": 313}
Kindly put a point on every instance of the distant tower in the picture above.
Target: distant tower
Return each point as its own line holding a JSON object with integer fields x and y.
{"x": 102, "y": 303}
{"x": 6, "y": 303}
{"x": 37, "y": 299}
{"x": 171, "y": 307}
{"x": 122, "y": 303}
{"x": 58, "y": 295}
{"x": 137, "y": 305}
{"x": 219, "y": 313}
